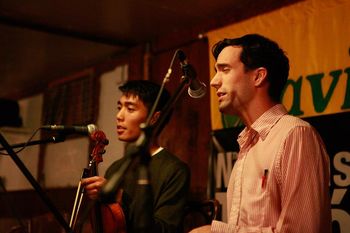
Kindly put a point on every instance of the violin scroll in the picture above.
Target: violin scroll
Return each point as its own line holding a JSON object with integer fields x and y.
{"x": 101, "y": 141}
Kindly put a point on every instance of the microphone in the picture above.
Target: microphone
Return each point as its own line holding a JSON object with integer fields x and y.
{"x": 196, "y": 89}
{"x": 84, "y": 130}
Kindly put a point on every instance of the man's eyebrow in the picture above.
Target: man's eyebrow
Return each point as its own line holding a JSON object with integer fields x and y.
{"x": 220, "y": 66}
{"x": 130, "y": 103}
{"x": 126, "y": 103}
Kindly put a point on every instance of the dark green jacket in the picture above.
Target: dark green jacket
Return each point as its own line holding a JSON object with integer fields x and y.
{"x": 170, "y": 183}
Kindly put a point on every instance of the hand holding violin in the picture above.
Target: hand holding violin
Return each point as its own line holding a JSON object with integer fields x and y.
{"x": 93, "y": 185}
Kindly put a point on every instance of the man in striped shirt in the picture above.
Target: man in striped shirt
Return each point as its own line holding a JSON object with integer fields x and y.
{"x": 280, "y": 181}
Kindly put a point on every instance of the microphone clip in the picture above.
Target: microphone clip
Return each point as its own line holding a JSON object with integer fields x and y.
{"x": 197, "y": 89}
{"x": 188, "y": 72}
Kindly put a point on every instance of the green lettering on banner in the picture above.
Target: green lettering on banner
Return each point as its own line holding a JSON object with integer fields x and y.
{"x": 296, "y": 85}
{"x": 320, "y": 102}
{"x": 346, "y": 103}
{"x": 320, "y": 99}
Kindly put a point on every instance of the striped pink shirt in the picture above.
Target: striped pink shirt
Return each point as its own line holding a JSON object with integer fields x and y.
{"x": 280, "y": 181}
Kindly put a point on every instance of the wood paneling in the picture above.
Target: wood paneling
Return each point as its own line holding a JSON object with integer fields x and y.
{"x": 187, "y": 134}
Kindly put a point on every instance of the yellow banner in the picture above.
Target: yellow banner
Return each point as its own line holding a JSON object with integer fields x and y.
{"x": 315, "y": 34}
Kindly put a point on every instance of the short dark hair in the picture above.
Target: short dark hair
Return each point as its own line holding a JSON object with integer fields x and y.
{"x": 259, "y": 51}
{"x": 147, "y": 91}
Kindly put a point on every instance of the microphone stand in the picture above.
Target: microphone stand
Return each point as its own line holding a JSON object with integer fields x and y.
{"x": 53, "y": 139}
{"x": 143, "y": 220}
{"x": 34, "y": 183}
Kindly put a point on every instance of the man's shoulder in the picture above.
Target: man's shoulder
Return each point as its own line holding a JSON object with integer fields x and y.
{"x": 169, "y": 159}
{"x": 165, "y": 154}
{"x": 288, "y": 124}
{"x": 293, "y": 121}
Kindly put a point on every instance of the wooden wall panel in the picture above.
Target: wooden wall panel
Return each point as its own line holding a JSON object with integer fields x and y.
{"x": 188, "y": 133}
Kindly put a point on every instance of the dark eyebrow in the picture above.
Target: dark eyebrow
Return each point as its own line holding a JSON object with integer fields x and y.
{"x": 221, "y": 65}
{"x": 126, "y": 103}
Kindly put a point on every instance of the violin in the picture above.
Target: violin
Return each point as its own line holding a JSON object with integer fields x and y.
{"x": 104, "y": 218}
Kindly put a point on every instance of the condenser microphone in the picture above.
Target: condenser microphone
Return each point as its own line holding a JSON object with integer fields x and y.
{"x": 65, "y": 129}
{"x": 196, "y": 89}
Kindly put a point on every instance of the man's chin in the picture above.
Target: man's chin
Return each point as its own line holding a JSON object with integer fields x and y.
{"x": 121, "y": 138}
{"x": 126, "y": 139}
{"x": 223, "y": 109}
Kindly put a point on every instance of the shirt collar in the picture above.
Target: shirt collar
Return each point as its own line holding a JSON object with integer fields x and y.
{"x": 157, "y": 151}
{"x": 264, "y": 123}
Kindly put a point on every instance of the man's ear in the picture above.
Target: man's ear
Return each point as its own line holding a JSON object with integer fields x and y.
{"x": 260, "y": 76}
{"x": 154, "y": 118}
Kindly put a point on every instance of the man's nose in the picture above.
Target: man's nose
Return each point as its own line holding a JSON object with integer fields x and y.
{"x": 215, "y": 82}
{"x": 119, "y": 115}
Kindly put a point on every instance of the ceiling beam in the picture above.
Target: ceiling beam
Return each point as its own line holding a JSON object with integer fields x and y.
{"x": 21, "y": 23}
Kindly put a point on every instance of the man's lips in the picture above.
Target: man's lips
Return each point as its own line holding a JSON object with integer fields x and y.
{"x": 120, "y": 129}
{"x": 220, "y": 95}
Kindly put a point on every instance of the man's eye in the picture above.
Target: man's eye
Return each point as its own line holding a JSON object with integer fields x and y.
{"x": 131, "y": 109}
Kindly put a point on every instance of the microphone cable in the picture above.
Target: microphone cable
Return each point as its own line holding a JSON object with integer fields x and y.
{"x": 22, "y": 146}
